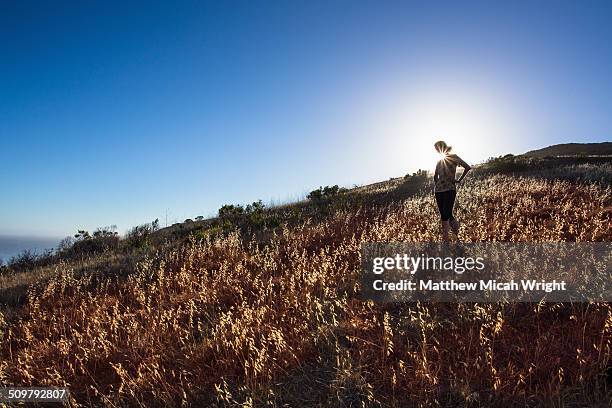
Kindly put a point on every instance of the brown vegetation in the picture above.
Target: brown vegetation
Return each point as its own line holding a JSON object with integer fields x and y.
{"x": 230, "y": 320}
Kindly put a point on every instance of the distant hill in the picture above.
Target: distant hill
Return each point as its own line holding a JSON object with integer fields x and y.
{"x": 573, "y": 149}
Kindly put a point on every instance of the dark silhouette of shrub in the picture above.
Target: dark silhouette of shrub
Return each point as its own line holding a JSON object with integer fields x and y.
{"x": 210, "y": 232}
{"x": 65, "y": 245}
{"x": 139, "y": 236}
{"x": 102, "y": 240}
{"x": 419, "y": 174}
{"x": 254, "y": 216}
{"x": 230, "y": 211}
{"x": 273, "y": 221}
{"x": 326, "y": 193}
{"x": 28, "y": 259}
{"x": 25, "y": 260}
{"x": 507, "y": 164}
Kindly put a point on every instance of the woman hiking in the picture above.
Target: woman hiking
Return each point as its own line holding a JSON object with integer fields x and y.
{"x": 445, "y": 182}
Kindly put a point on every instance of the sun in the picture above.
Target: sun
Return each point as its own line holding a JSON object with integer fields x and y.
{"x": 471, "y": 117}
{"x": 469, "y": 126}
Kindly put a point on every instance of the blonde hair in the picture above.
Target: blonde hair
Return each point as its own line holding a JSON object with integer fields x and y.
{"x": 442, "y": 147}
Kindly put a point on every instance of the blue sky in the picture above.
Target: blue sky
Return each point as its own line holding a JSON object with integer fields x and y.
{"x": 117, "y": 113}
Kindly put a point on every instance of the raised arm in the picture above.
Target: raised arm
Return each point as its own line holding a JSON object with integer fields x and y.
{"x": 466, "y": 167}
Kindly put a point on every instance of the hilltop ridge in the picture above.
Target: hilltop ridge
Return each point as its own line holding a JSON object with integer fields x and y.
{"x": 573, "y": 149}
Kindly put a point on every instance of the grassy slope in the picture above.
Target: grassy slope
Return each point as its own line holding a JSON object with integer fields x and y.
{"x": 230, "y": 319}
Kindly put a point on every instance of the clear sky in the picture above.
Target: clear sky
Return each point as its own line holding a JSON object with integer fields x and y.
{"x": 118, "y": 112}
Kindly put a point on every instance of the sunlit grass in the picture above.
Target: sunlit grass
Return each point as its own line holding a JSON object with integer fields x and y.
{"x": 230, "y": 322}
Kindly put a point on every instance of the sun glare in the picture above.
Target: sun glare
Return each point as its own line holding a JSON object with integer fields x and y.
{"x": 471, "y": 125}
{"x": 464, "y": 128}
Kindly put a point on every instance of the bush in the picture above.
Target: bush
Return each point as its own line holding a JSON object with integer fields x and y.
{"x": 251, "y": 217}
{"x": 256, "y": 207}
{"x": 230, "y": 211}
{"x": 419, "y": 174}
{"x": 326, "y": 193}
{"x": 139, "y": 236}
{"x": 255, "y": 214}
{"x": 211, "y": 232}
{"x": 273, "y": 222}
{"x": 65, "y": 245}
{"x": 24, "y": 260}
{"x": 507, "y": 164}
{"x": 28, "y": 259}
{"x": 102, "y": 240}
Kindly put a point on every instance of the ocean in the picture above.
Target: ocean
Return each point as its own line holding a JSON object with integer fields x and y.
{"x": 11, "y": 246}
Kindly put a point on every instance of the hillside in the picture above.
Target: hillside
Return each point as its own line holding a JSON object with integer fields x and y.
{"x": 573, "y": 149}
{"x": 262, "y": 306}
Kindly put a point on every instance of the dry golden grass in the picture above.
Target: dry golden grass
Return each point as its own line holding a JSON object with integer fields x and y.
{"x": 233, "y": 323}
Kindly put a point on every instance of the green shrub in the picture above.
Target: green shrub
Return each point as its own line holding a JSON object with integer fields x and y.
{"x": 325, "y": 193}
{"x": 273, "y": 222}
{"x": 27, "y": 260}
{"x": 230, "y": 211}
{"x": 102, "y": 240}
{"x": 139, "y": 236}
{"x": 254, "y": 216}
{"x": 211, "y": 232}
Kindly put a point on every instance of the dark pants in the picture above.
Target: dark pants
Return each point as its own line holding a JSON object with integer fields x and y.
{"x": 446, "y": 201}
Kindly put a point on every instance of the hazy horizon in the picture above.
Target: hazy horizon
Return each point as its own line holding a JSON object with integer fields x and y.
{"x": 14, "y": 245}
